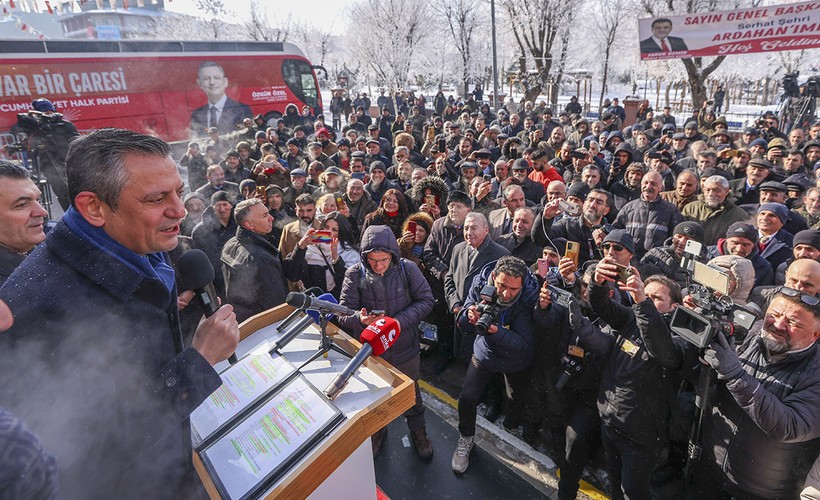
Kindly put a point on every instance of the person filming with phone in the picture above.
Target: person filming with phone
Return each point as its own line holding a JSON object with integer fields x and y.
{"x": 384, "y": 284}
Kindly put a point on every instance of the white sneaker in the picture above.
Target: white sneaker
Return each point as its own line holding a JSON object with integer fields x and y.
{"x": 461, "y": 457}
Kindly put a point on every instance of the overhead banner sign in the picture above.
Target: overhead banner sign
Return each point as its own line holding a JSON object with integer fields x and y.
{"x": 772, "y": 28}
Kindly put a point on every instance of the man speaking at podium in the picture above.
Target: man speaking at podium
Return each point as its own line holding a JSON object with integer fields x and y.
{"x": 95, "y": 362}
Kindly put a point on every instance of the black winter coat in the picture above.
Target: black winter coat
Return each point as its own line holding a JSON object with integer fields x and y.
{"x": 254, "y": 281}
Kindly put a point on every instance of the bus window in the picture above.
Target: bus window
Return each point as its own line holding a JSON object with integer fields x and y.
{"x": 298, "y": 75}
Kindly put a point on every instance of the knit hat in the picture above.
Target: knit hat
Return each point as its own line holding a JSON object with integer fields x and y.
{"x": 742, "y": 230}
{"x": 621, "y": 237}
{"x": 758, "y": 142}
{"x": 190, "y": 196}
{"x": 220, "y": 196}
{"x": 809, "y": 237}
{"x": 778, "y": 209}
{"x": 579, "y": 190}
{"x": 41, "y": 104}
{"x": 459, "y": 197}
{"x": 297, "y": 172}
{"x": 377, "y": 165}
{"x": 691, "y": 229}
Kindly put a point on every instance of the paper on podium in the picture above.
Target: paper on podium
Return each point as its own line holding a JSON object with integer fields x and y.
{"x": 242, "y": 383}
{"x": 270, "y": 440}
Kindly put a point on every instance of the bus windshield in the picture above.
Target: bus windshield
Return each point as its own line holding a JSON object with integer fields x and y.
{"x": 298, "y": 75}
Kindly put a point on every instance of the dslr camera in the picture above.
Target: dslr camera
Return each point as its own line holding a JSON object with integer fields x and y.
{"x": 488, "y": 308}
{"x": 715, "y": 312}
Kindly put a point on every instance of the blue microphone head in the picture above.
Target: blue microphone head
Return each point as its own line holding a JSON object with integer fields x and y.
{"x": 327, "y": 298}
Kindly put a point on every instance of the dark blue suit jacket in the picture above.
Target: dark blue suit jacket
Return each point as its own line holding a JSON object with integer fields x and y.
{"x": 232, "y": 114}
{"x": 675, "y": 43}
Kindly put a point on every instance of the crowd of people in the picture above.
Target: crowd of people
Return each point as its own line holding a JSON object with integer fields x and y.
{"x": 546, "y": 249}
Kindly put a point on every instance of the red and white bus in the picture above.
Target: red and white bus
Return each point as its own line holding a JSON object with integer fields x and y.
{"x": 150, "y": 86}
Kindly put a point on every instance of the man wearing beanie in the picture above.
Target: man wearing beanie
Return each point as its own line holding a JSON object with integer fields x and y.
{"x": 806, "y": 245}
{"x": 775, "y": 243}
{"x": 666, "y": 259}
{"x": 741, "y": 241}
{"x": 210, "y": 235}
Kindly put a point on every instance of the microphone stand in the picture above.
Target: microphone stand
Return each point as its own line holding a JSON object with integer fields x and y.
{"x": 326, "y": 344}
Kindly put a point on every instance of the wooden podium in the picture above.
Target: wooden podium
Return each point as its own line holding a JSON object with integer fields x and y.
{"x": 374, "y": 397}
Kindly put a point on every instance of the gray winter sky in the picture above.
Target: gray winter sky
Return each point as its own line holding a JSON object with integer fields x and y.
{"x": 326, "y": 14}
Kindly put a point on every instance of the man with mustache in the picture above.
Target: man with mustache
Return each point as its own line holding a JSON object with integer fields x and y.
{"x": 762, "y": 433}
{"x": 713, "y": 210}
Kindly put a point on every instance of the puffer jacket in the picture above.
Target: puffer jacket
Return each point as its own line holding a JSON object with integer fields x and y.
{"x": 512, "y": 347}
{"x": 664, "y": 259}
{"x": 649, "y": 222}
{"x": 402, "y": 292}
{"x": 763, "y": 431}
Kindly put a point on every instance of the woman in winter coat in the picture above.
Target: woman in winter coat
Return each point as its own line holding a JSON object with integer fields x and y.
{"x": 321, "y": 264}
{"x": 392, "y": 212}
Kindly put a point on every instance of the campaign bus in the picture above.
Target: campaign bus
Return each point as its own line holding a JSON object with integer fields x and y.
{"x": 169, "y": 89}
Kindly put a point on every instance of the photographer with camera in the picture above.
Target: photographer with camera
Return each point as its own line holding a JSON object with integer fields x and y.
{"x": 762, "y": 433}
{"x": 47, "y": 138}
{"x": 498, "y": 310}
{"x": 563, "y": 387}
{"x": 639, "y": 379}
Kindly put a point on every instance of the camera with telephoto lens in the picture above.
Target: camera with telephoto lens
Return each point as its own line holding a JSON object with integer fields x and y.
{"x": 715, "y": 312}
{"x": 35, "y": 121}
{"x": 488, "y": 308}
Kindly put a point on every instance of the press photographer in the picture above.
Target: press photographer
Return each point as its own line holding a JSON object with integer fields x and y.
{"x": 639, "y": 378}
{"x": 499, "y": 310}
{"x": 762, "y": 433}
{"x": 46, "y": 137}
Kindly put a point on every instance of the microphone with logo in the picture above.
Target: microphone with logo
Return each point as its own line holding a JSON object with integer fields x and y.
{"x": 197, "y": 273}
{"x": 293, "y": 330}
{"x": 376, "y": 338}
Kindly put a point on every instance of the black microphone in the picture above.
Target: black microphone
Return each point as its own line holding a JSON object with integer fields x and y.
{"x": 306, "y": 302}
{"x": 296, "y": 314}
{"x": 197, "y": 273}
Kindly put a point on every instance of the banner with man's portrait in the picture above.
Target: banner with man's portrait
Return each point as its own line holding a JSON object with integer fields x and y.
{"x": 771, "y": 28}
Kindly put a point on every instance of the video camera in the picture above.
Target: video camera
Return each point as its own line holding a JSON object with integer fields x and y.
{"x": 489, "y": 309}
{"x": 35, "y": 121}
{"x": 715, "y": 312}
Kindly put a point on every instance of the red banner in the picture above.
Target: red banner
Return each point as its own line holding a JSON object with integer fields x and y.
{"x": 764, "y": 29}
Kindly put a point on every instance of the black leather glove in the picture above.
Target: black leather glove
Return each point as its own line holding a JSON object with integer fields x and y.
{"x": 722, "y": 356}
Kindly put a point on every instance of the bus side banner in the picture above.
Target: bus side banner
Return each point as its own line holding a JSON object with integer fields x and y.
{"x": 157, "y": 96}
{"x": 771, "y": 28}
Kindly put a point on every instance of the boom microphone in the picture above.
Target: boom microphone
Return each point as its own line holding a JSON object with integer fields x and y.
{"x": 197, "y": 273}
{"x": 306, "y": 302}
{"x": 299, "y": 326}
{"x": 376, "y": 338}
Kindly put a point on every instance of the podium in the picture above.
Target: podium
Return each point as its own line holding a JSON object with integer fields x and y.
{"x": 374, "y": 397}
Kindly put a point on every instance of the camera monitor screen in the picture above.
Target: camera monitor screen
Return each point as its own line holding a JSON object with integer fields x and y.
{"x": 710, "y": 277}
